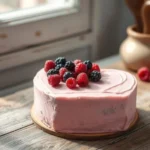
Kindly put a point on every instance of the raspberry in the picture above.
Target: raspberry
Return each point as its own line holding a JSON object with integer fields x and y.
{"x": 62, "y": 71}
{"x": 54, "y": 80}
{"x": 70, "y": 65}
{"x": 88, "y": 64}
{"x": 95, "y": 67}
{"x": 52, "y": 71}
{"x": 60, "y": 60}
{"x": 49, "y": 64}
{"x": 144, "y": 74}
{"x": 95, "y": 76}
{"x": 80, "y": 67}
{"x": 71, "y": 83}
{"x": 82, "y": 79}
{"x": 77, "y": 61}
{"x": 67, "y": 75}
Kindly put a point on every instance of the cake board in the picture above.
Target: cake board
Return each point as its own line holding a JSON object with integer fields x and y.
{"x": 79, "y": 136}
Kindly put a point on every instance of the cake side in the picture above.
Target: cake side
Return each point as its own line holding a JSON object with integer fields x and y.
{"x": 79, "y": 111}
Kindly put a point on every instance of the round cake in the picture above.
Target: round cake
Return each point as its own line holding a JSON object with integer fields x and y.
{"x": 106, "y": 106}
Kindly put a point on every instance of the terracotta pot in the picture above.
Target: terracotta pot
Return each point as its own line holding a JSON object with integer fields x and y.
{"x": 135, "y": 50}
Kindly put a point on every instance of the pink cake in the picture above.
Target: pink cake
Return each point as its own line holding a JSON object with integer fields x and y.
{"x": 106, "y": 106}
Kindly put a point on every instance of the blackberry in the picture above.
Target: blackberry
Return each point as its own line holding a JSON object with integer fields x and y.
{"x": 95, "y": 76}
{"x": 59, "y": 66}
{"x": 60, "y": 60}
{"x": 52, "y": 71}
{"x": 88, "y": 64}
{"x": 70, "y": 65}
{"x": 67, "y": 75}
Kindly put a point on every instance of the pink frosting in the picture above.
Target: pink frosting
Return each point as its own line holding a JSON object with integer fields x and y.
{"x": 106, "y": 106}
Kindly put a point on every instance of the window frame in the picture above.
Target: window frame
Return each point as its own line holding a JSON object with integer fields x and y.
{"x": 44, "y": 30}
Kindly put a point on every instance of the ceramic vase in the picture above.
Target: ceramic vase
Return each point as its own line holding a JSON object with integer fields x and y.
{"x": 135, "y": 49}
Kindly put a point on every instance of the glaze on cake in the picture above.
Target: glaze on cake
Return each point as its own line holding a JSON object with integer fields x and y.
{"x": 106, "y": 106}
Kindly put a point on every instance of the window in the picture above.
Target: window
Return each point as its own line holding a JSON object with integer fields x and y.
{"x": 48, "y": 22}
{"x": 16, "y": 10}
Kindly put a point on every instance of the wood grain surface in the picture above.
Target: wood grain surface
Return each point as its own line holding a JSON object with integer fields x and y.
{"x": 17, "y": 132}
{"x": 15, "y": 111}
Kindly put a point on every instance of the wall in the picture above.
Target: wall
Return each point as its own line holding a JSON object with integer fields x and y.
{"x": 114, "y": 19}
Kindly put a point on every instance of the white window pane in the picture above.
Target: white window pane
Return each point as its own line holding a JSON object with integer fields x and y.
{"x": 38, "y": 28}
{"x": 18, "y": 9}
{"x": 9, "y": 5}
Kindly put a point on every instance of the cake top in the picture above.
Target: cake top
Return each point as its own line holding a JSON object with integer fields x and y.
{"x": 114, "y": 82}
{"x": 77, "y": 78}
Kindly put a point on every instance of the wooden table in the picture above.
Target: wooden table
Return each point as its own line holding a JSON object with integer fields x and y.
{"x": 17, "y": 131}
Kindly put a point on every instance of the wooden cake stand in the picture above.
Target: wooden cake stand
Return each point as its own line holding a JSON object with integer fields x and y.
{"x": 91, "y": 136}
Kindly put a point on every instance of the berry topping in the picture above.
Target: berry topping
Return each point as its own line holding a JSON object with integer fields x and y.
{"x": 82, "y": 79}
{"x": 88, "y": 64}
{"x": 77, "y": 61}
{"x": 70, "y": 65}
{"x": 67, "y": 75}
{"x": 62, "y": 71}
{"x": 89, "y": 71}
{"x": 75, "y": 72}
{"x": 54, "y": 80}
{"x": 49, "y": 64}
{"x": 144, "y": 74}
{"x": 80, "y": 67}
{"x": 60, "y": 60}
{"x": 71, "y": 83}
{"x": 95, "y": 76}
{"x": 52, "y": 71}
{"x": 58, "y": 67}
{"x": 95, "y": 67}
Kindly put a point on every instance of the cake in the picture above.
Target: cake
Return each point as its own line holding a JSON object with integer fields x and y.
{"x": 106, "y": 106}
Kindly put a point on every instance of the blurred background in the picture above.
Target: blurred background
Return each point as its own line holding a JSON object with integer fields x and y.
{"x": 12, "y": 5}
{"x": 32, "y": 31}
